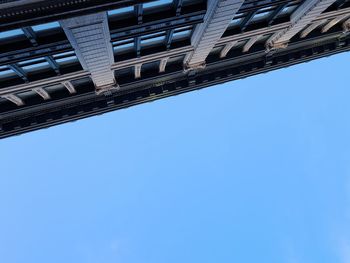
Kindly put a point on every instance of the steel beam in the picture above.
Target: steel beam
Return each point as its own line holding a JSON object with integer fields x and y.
{"x": 182, "y": 20}
{"x": 63, "y": 46}
{"x": 138, "y": 9}
{"x": 279, "y": 27}
{"x": 33, "y": 52}
{"x": 137, "y": 45}
{"x": 169, "y": 38}
{"x": 90, "y": 37}
{"x": 69, "y": 86}
{"x": 311, "y": 28}
{"x": 153, "y": 57}
{"x": 162, "y": 64}
{"x": 30, "y": 34}
{"x": 333, "y": 22}
{"x": 227, "y": 48}
{"x": 251, "y": 42}
{"x": 19, "y": 71}
{"x": 247, "y": 20}
{"x": 31, "y": 12}
{"x": 178, "y": 6}
{"x": 43, "y": 93}
{"x": 219, "y": 15}
{"x": 137, "y": 71}
{"x": 65, "y": 79}
{"x": 160, "y": 55}
{"x": 301, "y": 17}
{"x": 80, "y": 106}
{"x": 53, "y": 64}
{"x": 275, "y": 13}
{"x": 44, "y": 83}
{"x": 14, "y": 99}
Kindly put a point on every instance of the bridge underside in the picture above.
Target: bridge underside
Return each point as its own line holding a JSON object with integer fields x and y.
{"x": 152, "y": 50}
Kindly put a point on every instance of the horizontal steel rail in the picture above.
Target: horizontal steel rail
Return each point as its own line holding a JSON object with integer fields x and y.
{"x": 44, "y": 83}
{"x": 34, "y": 52}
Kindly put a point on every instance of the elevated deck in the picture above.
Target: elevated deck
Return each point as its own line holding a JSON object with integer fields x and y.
{"x": 50, "y": 71}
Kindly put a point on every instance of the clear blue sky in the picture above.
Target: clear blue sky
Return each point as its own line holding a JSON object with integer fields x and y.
{"x": 256, "y": 170}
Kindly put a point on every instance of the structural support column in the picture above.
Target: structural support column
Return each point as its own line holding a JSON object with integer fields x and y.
{"x": 219, "y": 15}
{"x": 90, "y": 37}
{"x": 301, "y": 17}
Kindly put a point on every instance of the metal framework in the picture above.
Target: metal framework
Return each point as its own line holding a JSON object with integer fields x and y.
{"x": 65, "y": 60}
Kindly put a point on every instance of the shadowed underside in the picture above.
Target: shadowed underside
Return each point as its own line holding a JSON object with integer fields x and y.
{"x": 66, "y": 60}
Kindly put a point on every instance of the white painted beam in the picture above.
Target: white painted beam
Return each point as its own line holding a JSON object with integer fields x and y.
{"x": 14, "y": 98}
{"x": 333, "y": 22}
{"x": 219, "y": 15}
{"x": 227, "y": 48}
{"x": 187, "y": 57}
{"x": 311, "y": 28}
{"x": 43, "y": 93}
{"x": 137, "y": 69}
{"x": 251, "y": 42}
{"x": 91, "y": 40}
{"x": 162, "y": 64}
{"x": 301, "y": 17}
{"x": 69, "y": 86}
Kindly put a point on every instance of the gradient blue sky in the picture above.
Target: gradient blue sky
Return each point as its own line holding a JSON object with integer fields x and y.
{"x": 256, "y": 170}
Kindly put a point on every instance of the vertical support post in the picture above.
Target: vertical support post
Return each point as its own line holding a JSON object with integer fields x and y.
{"x": 138, "y": 71}
{"x": 42, "y": 93}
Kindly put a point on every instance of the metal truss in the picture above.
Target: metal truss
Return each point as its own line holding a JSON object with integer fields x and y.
{"x": 153, "y": 53}
{"x": 217, "y": 71}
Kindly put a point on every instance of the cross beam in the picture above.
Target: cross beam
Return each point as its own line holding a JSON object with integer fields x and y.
{"x": 219, "y": 15}
{"x": 90, "y": 37}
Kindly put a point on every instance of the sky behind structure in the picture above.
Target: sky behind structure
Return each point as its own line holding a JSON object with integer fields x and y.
{"x": 255, "y": 170}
